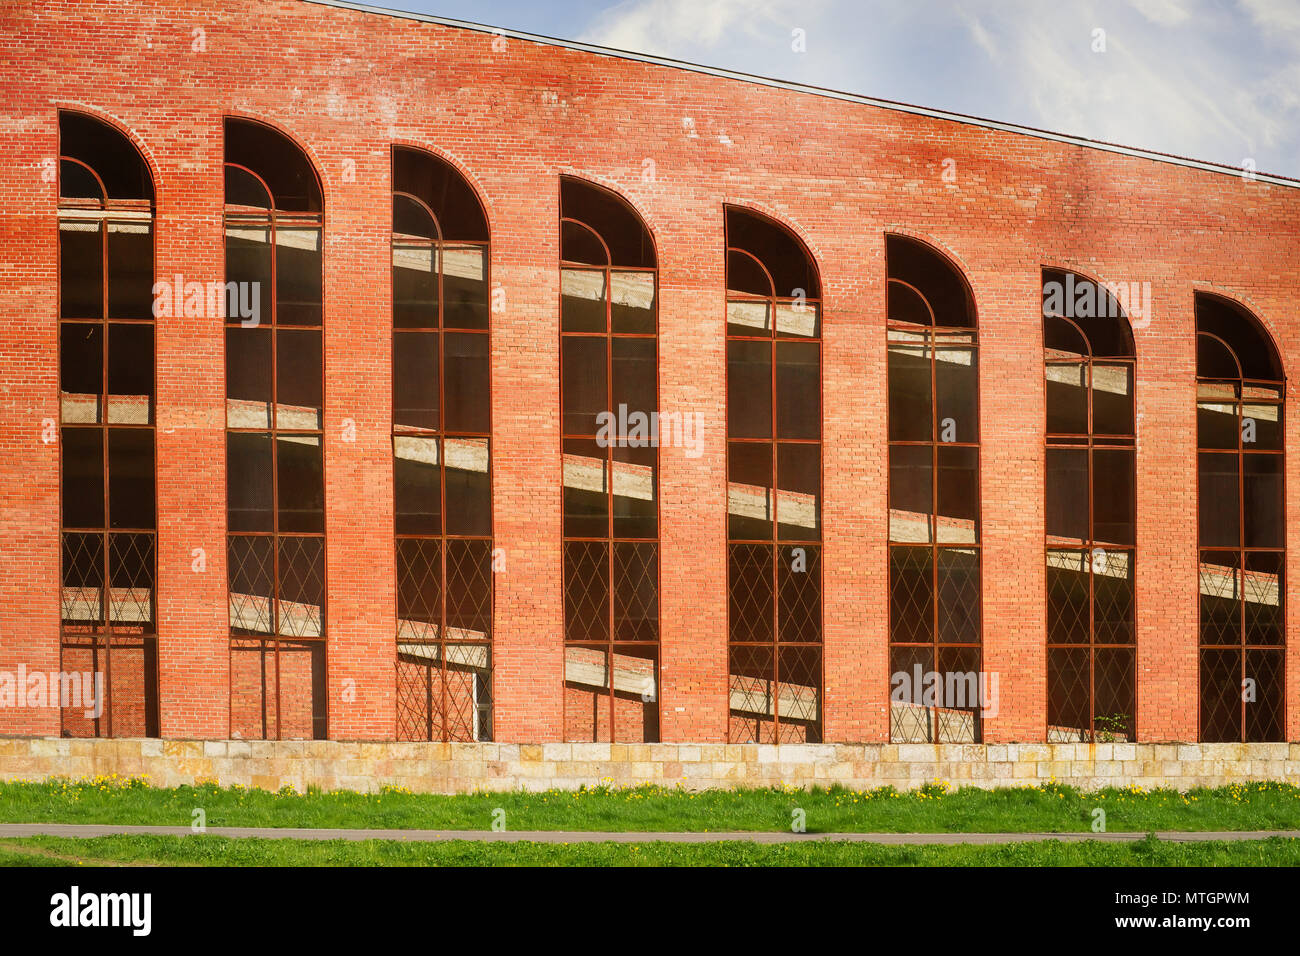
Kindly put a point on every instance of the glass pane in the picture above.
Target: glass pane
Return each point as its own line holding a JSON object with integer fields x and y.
{"x": 1262, "y": 593}
{"x": 469, "y": 487}
{"x": 744, "y": 274}
{"x": 1112, "y": 593}
{"x": 131, "y": 478}
{"x": 749, "y": 592}
{"x": 798, "y": 320}
{"x": 411, "y": 218}
{"x": 415, "y": 380}
{"x": 635, "y": 491}
{"x": 958, "y": 488}
{"x": 248, "y": 264}
{"x": 252, "y": 583}
{"x": 301, "y": 605}
{"x": 636, "y": 591}
{"x": 465, "y": 288}
{"x": 1067, "y": 399}
{"x": 1067, "y": 596}
{"x": 911, "y": 415}
{"x": 586, "y": 595}
{"x": 798, "y": 499}
{"x": 1112, "y": 399}
{"x": 1067, "y": 493}
{"x": 586, "y": 489}
{"x": 1263, "y": 501}
{"x": 632, "y": 301}
{"x": 81, "y": 271}
{"x": 578, "y": 243}
{"x": 469, "y": 590}
{"x": 749, "y": 389}
{"x": 798, "y": 390}
{"x": 956, "y": 385}
{"x": 83, "y": 478}
{"x": 466, "y": 392}
{"x": 1220, "y": 588}
{"x": 911, "y": 595}
{"x": 1216, "y": 424}
{"x": 81, "y": 372}
{"x": 416, "y": 485}
{"x": 911, "y": 493}
{"x": 1217, "y": 479}
{"x": 634, "y": 385}
{"x": 248, "y": 482}
{"x": 799, "y": 593}
{"x": 248, "y": 378}
{"x": 130, "y": 374}
{"x": 749, "y": 491}
{"x": 300, "y": 484}
{"x": 298, "y": 379}
{"x": 415, "y": 286}
{"x": 1261, "y": 427}
{"x": 419, "y": 588}
{"x": 746, "y": 317}
{"x": 1113, "y": 495}
{"x": 130, "y": 270}
{"x": 957, "y": 588}
{"x": 298, "y": 276}
{"x": 584, "y": 389}
{"x": 582, "y": 300}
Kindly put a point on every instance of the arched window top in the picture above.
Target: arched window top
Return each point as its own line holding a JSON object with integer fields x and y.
{"x": 598, "y": 227}
{"x": 765, "y": 258}
{"x": 98, "y": 163}
{"x": 1083, "y": 318}
{"x": 1232, "y": 343}
{"x": 431, "y": 199}
{"x": 925, "y": 287}
{"x": 267, "y": 170}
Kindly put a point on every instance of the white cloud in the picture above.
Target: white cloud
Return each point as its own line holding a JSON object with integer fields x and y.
{"x": 1191, "y": 77}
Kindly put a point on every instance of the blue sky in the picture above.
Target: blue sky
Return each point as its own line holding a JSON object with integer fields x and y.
{"x": 1211, "y": 79}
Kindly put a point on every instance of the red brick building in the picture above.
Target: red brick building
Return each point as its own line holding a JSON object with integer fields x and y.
{"x": 366, "y": 376}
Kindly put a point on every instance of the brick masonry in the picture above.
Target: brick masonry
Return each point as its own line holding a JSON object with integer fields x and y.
{"x": 463, "y": 768}
{"x": 514, "y": 116}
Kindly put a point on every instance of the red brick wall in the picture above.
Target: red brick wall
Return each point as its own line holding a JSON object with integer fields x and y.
{"x": 346, "y": 85}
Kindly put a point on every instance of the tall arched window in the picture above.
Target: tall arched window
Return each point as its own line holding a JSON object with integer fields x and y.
{"x": 1091, "y": 503}
{"x": 609, "y": 413}
{"x": 934, "y": 503}
{"x": 106, "y": 411}
{"x": 774, "y": 484}
{"x": 275, "y": 468}
{"x": 442, "y": 421}
{"x": 1240, "y": 392}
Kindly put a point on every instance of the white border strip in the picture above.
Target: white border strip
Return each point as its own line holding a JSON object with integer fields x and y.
{"x": 820, "y": 91}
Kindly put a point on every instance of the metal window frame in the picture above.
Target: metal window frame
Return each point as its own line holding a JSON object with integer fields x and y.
{"x": 104, "y": 638}
{"x": 1089, "y": 444}
{"x": 610, "y": 645}
{"x": 1242, "y": 551}
{"x": 932, "y": 343}
{"x": 440, "y": 730}
{"x": 273, "y": 643}
{"x": 776, "y": 542}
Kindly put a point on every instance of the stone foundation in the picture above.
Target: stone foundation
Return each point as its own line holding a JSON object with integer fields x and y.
{"x": 458, "y": 768}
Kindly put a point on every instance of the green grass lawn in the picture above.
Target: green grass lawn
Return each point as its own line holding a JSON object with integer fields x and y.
{"x": 935, "y": 809}
{"x": 219, "y": 851}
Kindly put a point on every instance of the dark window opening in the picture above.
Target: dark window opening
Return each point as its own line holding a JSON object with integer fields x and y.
{"x": 275, "y": 469}
{"x": 1091, "y": 511}
{"x": 1241, "y": 493}
{"x": 934, "y": 498}
{"x": 441, "y": 452}
{"x": 609, "y": 396}
{"x": 106, "y": 378}
{"x": 774, "y": 483}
